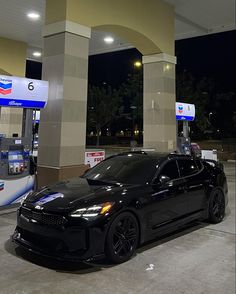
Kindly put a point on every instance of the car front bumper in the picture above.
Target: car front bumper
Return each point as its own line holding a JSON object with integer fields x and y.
{"x": 60, "y": 242}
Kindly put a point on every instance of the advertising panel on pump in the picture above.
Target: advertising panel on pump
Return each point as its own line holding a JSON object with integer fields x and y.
{"x": 185, "y": 111}
{"x": 22, "y": 92}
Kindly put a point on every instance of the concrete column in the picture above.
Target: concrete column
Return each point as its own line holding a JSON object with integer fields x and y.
{"x": 12, "y": 62}
{"x": 62, "y": 131}
{"x": 159, "y": 102}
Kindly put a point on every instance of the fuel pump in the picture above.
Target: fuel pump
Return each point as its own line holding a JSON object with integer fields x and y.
{"x": 184, "y": 114}
{"x": 16, "y": 172}
{"x": 15, "y": 154}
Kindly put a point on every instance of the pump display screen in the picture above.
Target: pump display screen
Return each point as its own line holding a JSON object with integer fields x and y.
{"x": 16, "y": 162}
{"x": 15, "y": 155}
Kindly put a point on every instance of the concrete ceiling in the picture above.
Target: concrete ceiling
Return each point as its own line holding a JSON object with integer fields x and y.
{"x": 201, "y": 17}
{"x": 192, "y": 18}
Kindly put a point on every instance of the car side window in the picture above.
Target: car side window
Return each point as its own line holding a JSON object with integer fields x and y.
{"x": 187, "y": 167}
{"x": 170, "y": 170}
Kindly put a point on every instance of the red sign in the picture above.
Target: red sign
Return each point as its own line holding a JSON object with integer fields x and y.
{"x": 94, "y": 157}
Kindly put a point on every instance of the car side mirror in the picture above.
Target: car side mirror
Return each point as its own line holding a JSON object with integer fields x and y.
{"x": 163, "y": 179}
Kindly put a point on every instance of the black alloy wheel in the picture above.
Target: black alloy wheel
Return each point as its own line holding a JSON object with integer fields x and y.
{"x": 122, "y": 238}
{"x": 217, "y": 206}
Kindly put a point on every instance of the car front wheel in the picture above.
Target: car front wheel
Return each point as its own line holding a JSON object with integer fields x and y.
{"x": 216, "y": 206}
{"x": 122, "y": 238}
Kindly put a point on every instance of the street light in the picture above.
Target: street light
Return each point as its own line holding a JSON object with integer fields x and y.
{"x": 137, "y": 64}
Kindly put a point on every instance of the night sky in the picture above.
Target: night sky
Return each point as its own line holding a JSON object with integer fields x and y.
{"x": 112, "y": 68}
{"x": 213, "y": 56}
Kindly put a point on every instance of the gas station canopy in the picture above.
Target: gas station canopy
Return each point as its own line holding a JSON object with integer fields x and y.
{"x": 192, "y": 18}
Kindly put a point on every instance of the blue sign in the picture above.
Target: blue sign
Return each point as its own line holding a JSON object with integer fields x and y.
{"x": 21, "y": 103}
{"x": 23, "y": 93}
{"x": 185, "y": 111}
{"x": 181, "y": 117}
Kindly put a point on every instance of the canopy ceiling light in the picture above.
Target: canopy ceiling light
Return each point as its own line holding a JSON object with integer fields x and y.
{"x": 33, "y": 15}
{"x": 109, "y": 40}
{"x": 37, "y": 54}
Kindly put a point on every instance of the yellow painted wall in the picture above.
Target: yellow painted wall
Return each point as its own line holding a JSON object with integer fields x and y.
{"x": 55, "y": 10}
{"x": 13, "y": 57}
{"x": 3, "y": 72}
{"x": 147, "y": 24}
{"x": 12, "y": 62}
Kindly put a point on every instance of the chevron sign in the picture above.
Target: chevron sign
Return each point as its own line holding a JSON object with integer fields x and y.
{"x": 22, "y": 92}
{"x": 5, "y": 87}
{"x": 185, "y": 111}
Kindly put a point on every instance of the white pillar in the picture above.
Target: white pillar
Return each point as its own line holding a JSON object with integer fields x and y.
{"x": 159, "y": 102}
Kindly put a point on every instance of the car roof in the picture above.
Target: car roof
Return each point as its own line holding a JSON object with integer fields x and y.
{"x": 155, "y": 155}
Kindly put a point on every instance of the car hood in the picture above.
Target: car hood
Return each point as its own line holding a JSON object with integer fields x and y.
{"x": 71, "y": 194}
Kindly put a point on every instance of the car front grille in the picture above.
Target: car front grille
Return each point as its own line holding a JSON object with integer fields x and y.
{"x": 43, "y": 218}
{"x": 44, "y": 243}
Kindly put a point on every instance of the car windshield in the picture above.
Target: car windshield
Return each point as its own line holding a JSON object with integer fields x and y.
{"x": 127, "y": 169}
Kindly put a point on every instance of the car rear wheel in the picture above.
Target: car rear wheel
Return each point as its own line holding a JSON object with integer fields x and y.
{"x": 217, "y": 206}
{"x": 122, "y": 238}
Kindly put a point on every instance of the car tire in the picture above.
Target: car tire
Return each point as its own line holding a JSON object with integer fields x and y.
{"x": 216, "y": 206}
{"x": 122, "y": 238}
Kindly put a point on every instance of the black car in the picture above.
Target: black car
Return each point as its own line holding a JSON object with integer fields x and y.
{"x": 122, "y": 202}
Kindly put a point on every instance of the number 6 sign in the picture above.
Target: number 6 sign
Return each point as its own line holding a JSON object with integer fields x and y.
{"x": 23, "y": 93}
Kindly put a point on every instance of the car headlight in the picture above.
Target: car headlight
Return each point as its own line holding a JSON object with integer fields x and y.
{"x": 92, "y": 211}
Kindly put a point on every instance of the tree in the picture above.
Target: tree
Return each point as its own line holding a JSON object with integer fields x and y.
{"x": 104, "y": 104}
{"x": 224, "y": 110}
{"x": 199, "y": 93}
{"x": 132, "y": 93}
